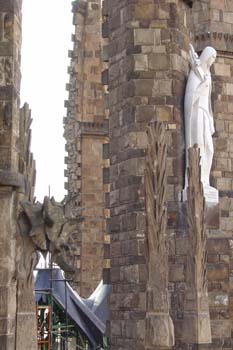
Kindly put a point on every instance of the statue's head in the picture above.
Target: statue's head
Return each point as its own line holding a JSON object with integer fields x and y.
{"x": 208, "y": 56}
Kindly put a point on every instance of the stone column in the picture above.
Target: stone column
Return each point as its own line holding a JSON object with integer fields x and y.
{"x": 10, "y": 42}
{"x": 147, "y": 68}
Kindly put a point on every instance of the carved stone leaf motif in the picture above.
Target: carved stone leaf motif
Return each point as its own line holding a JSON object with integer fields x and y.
{"x": 155, "y": 185}
{"x": 196, "y": 220}
{"x": 196, "y": 326}
{"x": 159, "y": 326}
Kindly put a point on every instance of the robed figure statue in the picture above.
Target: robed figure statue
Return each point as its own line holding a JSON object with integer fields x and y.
{"x": 199, "y": 122}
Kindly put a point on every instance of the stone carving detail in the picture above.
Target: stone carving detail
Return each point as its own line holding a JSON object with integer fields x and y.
{"x": 196, "y": 307}
{"x": 42, "y": 227}
{"x": 159, "y": 326}
{"x": 6, "y": 71}
{"x": 199, "y": 122}
{"x": 27, "y": 166}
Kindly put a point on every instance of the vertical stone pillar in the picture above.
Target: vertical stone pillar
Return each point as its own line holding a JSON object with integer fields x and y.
{"x": 10, "y": 42}
{"x": 86, "y": 131}
{"x": 17, "y": 180}
{"x": 147, "y": 68}
{"x": 26, "y": 258}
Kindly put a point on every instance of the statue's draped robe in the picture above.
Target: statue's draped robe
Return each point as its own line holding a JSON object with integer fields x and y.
{"x": 199, "y": 124}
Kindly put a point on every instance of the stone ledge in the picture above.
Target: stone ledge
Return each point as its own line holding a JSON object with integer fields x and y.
{"x": 8, "y": 178}
{"x": 93, "y": 128}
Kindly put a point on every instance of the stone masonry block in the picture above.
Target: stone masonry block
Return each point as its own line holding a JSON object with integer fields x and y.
{"x": 158, "y": 61}
{"x": 176, "y": 273}
{"x": 140, "y": 62}
{"x": 218, "y": 272}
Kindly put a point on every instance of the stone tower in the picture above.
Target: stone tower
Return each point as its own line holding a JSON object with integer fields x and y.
{"x": 86, "y": 131}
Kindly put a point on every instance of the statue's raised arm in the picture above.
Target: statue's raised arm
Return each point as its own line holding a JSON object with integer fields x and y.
{"x": 195, "y": 63}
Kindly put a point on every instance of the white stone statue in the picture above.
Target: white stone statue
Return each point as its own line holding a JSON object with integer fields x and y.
{"x": 199, "y": 122}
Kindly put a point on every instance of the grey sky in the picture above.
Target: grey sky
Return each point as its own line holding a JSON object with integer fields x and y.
{"x": 47, "y": 29}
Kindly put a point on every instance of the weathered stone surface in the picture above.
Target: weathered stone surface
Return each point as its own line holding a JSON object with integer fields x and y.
{"x": 8, "y": 178}
{"x": 159, "y": 331}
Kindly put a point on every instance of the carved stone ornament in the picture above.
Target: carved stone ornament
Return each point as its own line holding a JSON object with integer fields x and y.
{"x": 199, "y": 121}
{"x": 42, "y": 228}
{"x": 159, "y": 326}
{"x": 196, "y": 327}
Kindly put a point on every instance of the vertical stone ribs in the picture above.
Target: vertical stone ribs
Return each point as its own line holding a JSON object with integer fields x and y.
{"x": 74, "y": 105}
{"x": 72, "y": 134}
{"x": 159, "y": 326}
{"x": 196, "y": 308}
{"x": 27, "y": 165}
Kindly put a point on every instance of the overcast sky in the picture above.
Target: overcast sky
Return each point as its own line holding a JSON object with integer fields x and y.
{"x": 47, "y": 29}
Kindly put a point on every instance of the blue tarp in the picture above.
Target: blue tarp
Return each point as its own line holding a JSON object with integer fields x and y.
{"x": 90, "y": 315}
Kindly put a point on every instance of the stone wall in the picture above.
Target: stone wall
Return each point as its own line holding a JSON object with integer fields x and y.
{"x": 148, "y": 66}
{"x": 86, "y": 130}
